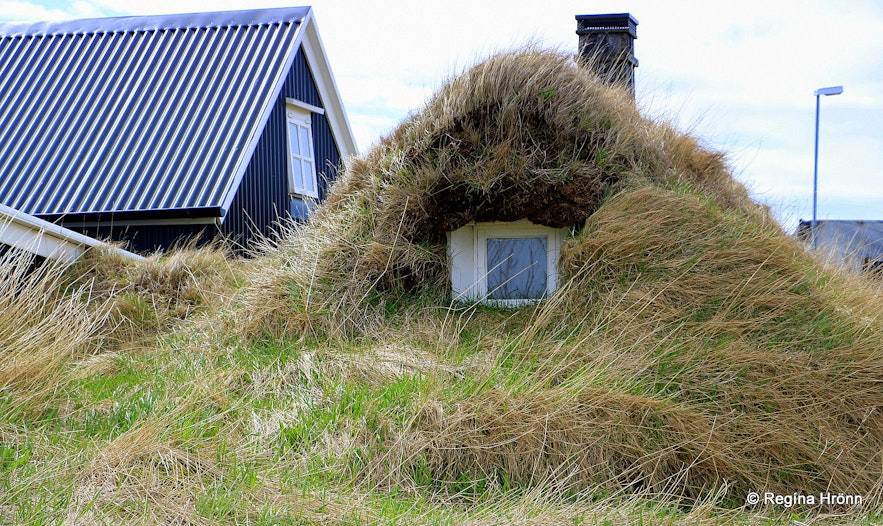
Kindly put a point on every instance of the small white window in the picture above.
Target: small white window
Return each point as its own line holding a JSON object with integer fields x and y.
{"x": 506, "y": 264}
{"x": 301, "y": 164}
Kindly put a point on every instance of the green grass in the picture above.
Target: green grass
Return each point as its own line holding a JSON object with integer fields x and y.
{"x": 314, "y": 467}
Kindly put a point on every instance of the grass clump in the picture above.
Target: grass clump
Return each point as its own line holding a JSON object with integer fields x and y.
{"x": 42, "y": 326}
{"x": 152, "y": 295}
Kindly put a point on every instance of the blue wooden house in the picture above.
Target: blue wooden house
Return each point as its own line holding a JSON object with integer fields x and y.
{"x": 154, "y": 129}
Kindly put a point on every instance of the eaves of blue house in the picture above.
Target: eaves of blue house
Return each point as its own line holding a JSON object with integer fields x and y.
{"x": 156, "y": 129}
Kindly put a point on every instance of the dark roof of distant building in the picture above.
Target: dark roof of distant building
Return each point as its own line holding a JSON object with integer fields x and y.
{"x": 861, "y": 238}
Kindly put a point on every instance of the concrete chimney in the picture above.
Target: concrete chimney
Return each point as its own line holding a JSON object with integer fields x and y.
{"x": 607, "y": 42}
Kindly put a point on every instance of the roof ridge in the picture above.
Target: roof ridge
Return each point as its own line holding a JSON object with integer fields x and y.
{"x": 175, "y": 21}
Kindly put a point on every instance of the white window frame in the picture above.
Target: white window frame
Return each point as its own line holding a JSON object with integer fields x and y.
{"x": 301, "y": 118}
{"x": 467, "y": 249}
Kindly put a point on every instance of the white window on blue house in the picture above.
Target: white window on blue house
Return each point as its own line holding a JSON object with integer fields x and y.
{"x": 302, "y": 178}
{"x": 505, "y": 264}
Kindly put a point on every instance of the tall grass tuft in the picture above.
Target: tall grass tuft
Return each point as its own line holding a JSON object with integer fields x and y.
{"x": 43, "y": 325}
{"x": 148, "y": 296}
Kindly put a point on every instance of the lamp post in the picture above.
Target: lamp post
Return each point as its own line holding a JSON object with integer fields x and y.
{"x": 833, "y": 90}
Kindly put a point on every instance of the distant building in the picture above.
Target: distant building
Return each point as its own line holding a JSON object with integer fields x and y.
{"x": 153, "y": 129}
{"x": 857, "y": 245}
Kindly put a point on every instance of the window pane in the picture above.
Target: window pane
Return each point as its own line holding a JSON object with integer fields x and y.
{"x": 309, "y": 177}
{"x": 297, "y": 174}
{"x": 292, "y": 139}
{"x": 305, "y": 149}
{"x": 300, "y": 209}
{"x": 516, "y": 268}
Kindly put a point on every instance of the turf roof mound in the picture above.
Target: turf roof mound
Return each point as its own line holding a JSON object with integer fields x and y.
{"x": 691, "y": 346}
{"x": 522, "y": 135}
{"x": 526, "y": 134}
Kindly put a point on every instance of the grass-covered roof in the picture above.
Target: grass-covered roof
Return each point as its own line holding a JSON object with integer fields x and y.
{"x": 691, "y": 344}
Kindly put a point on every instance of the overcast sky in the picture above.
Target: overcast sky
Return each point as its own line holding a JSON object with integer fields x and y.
{"x": 739, "y": 74}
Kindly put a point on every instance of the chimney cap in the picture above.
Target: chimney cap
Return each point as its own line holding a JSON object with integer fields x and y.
{"x": 614, "y": 22}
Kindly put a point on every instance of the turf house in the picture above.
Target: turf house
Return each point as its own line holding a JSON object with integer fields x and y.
{"x": 677, "y": 298}
{"x": 506, "y": 258}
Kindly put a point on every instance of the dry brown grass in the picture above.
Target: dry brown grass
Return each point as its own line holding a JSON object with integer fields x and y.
{"x": 141, "y": 478}
{"x": 43, "y": 324}
{"x": 55, "y": 317}
{"x": 149, "y": 296}
{"x": 692, "y": 350}
{"x": 523, "y": 135}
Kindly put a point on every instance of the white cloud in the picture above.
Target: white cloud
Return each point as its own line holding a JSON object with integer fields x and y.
{"x": 13, "y": 11}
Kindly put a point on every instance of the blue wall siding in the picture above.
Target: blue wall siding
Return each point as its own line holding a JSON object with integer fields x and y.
{"x": 328, "y": 162}
{"x": 262, "y": 198}
{"x": 150, "y": 238}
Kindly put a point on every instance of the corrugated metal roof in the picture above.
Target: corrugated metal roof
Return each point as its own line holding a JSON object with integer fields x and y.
{"x": 137, "y": 113}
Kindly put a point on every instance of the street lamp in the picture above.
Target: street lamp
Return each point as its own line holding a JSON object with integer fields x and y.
{"x": 833, "y": 90}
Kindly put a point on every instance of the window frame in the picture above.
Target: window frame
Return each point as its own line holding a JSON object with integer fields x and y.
{"x": 469, "y": 271}
{"x": 301, "y": 118}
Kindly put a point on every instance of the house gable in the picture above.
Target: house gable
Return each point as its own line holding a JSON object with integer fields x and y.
{"x": 262, "y": 196}
{"x": 158, "y": 121}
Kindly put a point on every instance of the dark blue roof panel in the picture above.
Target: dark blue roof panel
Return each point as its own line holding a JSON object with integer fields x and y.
{"x": 137, "y": 113}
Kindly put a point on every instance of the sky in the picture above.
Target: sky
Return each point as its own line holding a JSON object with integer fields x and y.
{"x": 738, "y": 74}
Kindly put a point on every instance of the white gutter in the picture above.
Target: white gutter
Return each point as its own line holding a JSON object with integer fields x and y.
{"x": 47, "y": 239}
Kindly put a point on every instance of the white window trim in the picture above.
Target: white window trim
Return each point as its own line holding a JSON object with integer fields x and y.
{"x": 302, "y": 118}
{"x": 304, "y": 106}
{"x": 468, "y": 253}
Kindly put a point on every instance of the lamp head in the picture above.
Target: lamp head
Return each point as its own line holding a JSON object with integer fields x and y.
{"x": 833, "y": 90}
